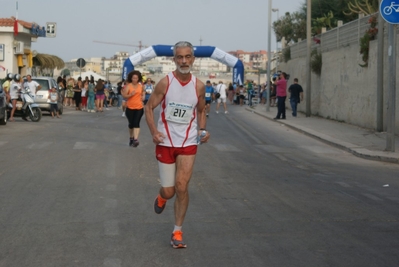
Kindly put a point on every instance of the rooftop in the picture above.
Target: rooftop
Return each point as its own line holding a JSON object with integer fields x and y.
{"x": 9, "y": 22}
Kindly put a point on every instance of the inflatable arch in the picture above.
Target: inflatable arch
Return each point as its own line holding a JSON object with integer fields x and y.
{"x": 199, "y": 51}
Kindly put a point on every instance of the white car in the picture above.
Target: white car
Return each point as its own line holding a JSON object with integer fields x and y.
{"x": 42, "y": 95}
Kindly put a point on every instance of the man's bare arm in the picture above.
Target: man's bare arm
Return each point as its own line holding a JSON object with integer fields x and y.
{"x": 153, "y": 102}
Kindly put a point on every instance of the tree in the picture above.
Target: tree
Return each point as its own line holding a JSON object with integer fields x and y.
{"x": 291, "y": 27}
{"x": 325, "y": 13}
{"x": 366, "y": 7}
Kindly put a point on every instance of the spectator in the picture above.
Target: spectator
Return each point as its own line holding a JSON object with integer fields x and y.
{"x": 69, "y": 92}
{"x": 77, "y": 96}
{"x": 231, "y": 93}
{"x": 119, "y": 94}
{"x": 91, "y": 94}
{"x": 241, "y": 94}
{"x": 6, "y": 87}
{"x": 222, "y": 90}
{"x": 281, "y": 93}
{"x": 100, "y": 96}
{"x": 53, "y": 100}
{"x": 149, "y": 88}
{"x": 33, "y": 85}
{"x": 296, "y": 95}
{"x": 84, "y": 94}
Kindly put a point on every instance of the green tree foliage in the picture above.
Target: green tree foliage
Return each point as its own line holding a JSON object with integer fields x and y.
{"x": 325, "y": 13}
{"x": 366, "y": 7}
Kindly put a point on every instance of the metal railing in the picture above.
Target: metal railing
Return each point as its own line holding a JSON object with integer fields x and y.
{"x": 343, "y": 36}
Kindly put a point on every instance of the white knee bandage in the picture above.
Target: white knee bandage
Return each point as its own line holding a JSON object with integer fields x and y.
{"x": 167, "y": 173}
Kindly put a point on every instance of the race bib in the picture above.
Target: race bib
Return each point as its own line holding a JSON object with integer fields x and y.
{"x": 179, "y": 113}
{"x": 207, "y": 94}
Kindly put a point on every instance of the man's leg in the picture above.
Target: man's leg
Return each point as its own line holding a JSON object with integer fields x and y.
{"x": 279, "y": 102}
{"x": 283, "y": 106}
{"x": 184, "y": 170}
{"x": 292, "y": 107}
{"x": 225, "y": 105}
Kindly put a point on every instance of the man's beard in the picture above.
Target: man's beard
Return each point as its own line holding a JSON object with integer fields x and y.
{"x": 185, "y": 71}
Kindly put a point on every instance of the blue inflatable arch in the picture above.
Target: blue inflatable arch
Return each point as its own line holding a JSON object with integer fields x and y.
{"x": 199, "y": 51}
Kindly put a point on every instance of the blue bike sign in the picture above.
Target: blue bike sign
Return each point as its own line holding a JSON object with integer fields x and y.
{"x": 389, "y": 10}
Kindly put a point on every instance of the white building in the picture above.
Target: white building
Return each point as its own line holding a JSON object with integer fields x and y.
{"x": 16, "y": 37}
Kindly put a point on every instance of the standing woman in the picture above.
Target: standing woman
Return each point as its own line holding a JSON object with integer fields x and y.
{"x": 134, "y": 95}
{"x": 84, "y": 94}
{"x": 230, "y": 94}
{"x": 61, "y": 88}
{"x": 78, "y": 93}
{"x": 100, "y": 96}
{"x": 69, "y": 92}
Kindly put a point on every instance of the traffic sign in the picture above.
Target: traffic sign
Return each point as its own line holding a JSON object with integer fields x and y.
{"x": 80, "y": 62}
{"x": 51, "y": 29}
{"x": 389, "y": 10}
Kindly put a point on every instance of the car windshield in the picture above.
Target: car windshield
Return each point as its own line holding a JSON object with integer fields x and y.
{"x": 43, "y": 83}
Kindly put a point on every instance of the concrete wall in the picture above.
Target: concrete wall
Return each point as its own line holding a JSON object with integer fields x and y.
{"x": 345, "y": 91}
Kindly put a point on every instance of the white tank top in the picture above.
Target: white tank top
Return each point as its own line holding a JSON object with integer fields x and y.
{"x": 178, "y": 113}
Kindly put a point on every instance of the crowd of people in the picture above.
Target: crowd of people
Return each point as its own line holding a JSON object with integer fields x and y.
{"x": 86, "y": 95}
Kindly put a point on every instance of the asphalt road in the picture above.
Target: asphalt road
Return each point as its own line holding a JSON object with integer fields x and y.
{"x": 73, "y": 193}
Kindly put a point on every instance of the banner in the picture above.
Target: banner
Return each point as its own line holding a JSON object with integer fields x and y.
{"x": 199, "y": 51}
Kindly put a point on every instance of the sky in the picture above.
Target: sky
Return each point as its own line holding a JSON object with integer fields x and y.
{"x": 227, "y": 24}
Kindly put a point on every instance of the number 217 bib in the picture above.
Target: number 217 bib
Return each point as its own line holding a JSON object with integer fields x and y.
{"x": 179, "y": 113}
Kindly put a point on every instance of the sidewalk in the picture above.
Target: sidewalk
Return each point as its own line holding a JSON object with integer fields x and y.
{"x": 358, "y": 141}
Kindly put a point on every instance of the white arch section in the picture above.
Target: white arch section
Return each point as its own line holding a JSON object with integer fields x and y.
{"x": 199, "y": 51}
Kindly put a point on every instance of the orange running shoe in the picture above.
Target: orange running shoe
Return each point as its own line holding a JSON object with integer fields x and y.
{"x": 177, "y": 240}
{"x": 159, "y": 204}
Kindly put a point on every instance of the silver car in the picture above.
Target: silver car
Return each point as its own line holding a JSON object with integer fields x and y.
{"x": 42, "y": 95}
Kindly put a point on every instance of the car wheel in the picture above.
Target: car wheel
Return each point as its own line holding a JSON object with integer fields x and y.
{"x": 3, "y": 121}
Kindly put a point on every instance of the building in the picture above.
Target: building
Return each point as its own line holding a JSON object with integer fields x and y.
{"x": 252, "y": 60}
{"x": 16, "y": 37}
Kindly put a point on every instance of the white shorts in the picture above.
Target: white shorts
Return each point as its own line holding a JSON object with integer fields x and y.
{"x": 222, "y": 100}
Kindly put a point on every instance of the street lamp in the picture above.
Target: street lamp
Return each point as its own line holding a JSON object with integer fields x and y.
{"x": 276, "y": 54}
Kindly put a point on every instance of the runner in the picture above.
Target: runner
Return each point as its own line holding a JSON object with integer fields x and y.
{"x": 208, "y": 96}
{"x": 182, "y": 99}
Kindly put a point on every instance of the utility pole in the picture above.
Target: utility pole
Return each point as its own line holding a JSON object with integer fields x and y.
{"x": 390, "y": 145}
{"x": 380, "y": 74}
{"x": 309, "y": 48}
{"x": 276, "y": 54}
{"x": 269, "y": 59}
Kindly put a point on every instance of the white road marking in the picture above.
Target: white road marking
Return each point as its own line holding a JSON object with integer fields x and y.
{"x": 344, "y": 184}
{"x": 282, "y": 158}
{"x": 226, "y": 148}
{"x": 112, "y": 262}
{"x": 370, "y": 196}
{"x": 84, "y": 145}
{"x": 111, "y": 187}
{"x": 111, "y": 203}
{"x": 111, "y": 227}
{"x": 40, "y": 145}
{"x": 2, "y": 143}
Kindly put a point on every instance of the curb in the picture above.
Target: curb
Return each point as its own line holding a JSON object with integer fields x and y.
{"x": 355, "y": 150}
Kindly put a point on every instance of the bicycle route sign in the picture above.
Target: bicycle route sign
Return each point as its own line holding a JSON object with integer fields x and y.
{"x": 389, "y": 10}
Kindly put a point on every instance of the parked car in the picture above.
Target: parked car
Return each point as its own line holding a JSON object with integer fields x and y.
{"x": 3, "y": 109}
{"x": 42, "y": 95}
